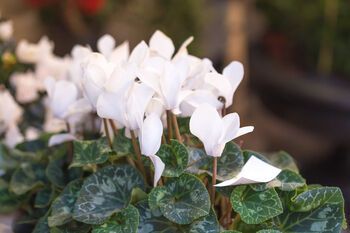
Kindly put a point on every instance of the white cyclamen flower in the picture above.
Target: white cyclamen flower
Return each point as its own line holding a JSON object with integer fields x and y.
{"x": 6, "y": 30}
{"x": 150, "y": 136}
{"x": 254, "y": 171}
{"x": 225, "y": 84}
{"x": 27, "y": 86}
{"x": 31, "y": 53}
{"x": 215, "y": 131}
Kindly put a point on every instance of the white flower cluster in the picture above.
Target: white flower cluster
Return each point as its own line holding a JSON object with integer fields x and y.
{"x": 137, "y": 89}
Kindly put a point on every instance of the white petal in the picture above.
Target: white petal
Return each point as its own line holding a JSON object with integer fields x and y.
{"x": 222, "y": 85}
{"x": 231, "y": 127}
{"x": 120, "y": 53}
{"x": 49, "y": 83}
{"x": 111, "y": 106}
{"x": 254, "y": 171}
{"x": 151, "y": 134}
{"x": 234, "y": 72}
{"x": 158, "y": 168}
{"x": 61, "y": 138}
{"x": 13, "y": 136}
{"x": 106, "y": 44}
{"x": 183, "y": 48}
{"x": 140, "y": 53}
{"x": 121, "y": 78}
{"x": 207, "y": 125}
{"x": 162, "y": 44}
{"x": 244, "y": 130}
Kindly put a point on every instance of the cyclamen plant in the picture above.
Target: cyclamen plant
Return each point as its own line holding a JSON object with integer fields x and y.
{"x": 166, "y": 160}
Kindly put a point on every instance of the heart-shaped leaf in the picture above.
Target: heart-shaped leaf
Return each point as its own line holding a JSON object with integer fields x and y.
{"x": 71, "y": 227}
{"x": 152, "y": 221}
{"x": 62, "y": 207}
{"x": 255, "y": 207}
{"x": 122, "y": 145}
{"x": 106, "y": 192}
{"x": 181, "y": 200}
{"x": 125, "y": 221}
{"x": 8, "y": 200}
{"x": 27, "y": 177}
{"x": 90, "y": 152}
{"x": 282, "y": 160}
{"x": 318, "y": 210}
{"x": 175, "y": 158}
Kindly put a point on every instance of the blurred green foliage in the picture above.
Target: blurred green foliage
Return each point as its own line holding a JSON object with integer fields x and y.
{"x": 304, "y": 24}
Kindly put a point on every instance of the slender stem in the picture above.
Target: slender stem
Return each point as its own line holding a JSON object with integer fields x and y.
{"x": 160, "y": 182}
{"x": 176, "y": 126}
{"x": 138, "y": 155}
{"x": 94, "y": 167}
{"x": 170, "y": 129}
{"x": 214, "y": 181}
{"x": 229, "y": 210}
{"x": 105, "y": 123}
{"x": 163, "y": 139}
{"x": 193, "y": 163}
{"x": 70, "y": 144}
{"x": 114, "y": 127}
{"x": 187, "y": 137}
{"x": 151, "y": 175}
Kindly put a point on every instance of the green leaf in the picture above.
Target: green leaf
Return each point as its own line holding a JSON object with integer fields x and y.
{"x": 42, "y": 225}
{"x": 59, "y": 175}
{"x": 229, "y": 164}
{"x": 181, "y": 200}
{"x": 269, "y": 231}
{"x": 11, "y": 158}
{"x": 318, "y": 210}
{"x": 44, "y": 198}
{"x": 8, "y": 200}
{"x": 152, "y": 221}
{"x": 175, "y": 158}
{"x": 255, "y": 207}
{"x": 287, "y": 180}
{"x": 231, "y": 231}
{"x": 27, "y": 177}
{"x": 282, "y": 160}
{"x": 123, "y": 145}
{"x": 62, "y": 207}
{"x": 207, "y": 224}
{"x": 126, "y": 221}
{"x": 72, "y": 227}
{"x": 195, "y": 154}
{"x": 106, "y": 192}
{"x": 90, "y": 152}
{"x": 138, "y": 195}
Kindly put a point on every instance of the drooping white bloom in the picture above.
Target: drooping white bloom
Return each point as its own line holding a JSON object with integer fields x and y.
{"x": 10, "y": 111}
{"x": 6, "y": 30}
{"x": 150, "y": 136}
{"x": 225, "y": 84}
{"x": 96, "y": 72}
{"x": 254, "y": 171}
{"x": 26, "y": 85}
{"x": 10, "y": 115}
{"x": 31, "y": 53}
{"x": 106, "y": 46}
{"x": 64, "y": 99}
{"x": 215, "y": 131}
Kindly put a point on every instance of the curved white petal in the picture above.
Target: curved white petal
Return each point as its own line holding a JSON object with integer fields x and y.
{"x": 139, "y": 53}
{"x": 121, "y": 78}
{"x": 231, "y": 127}
{"x": 61, "y": 138}
{"x": 158, "y": 168}
{"x": 120, "y": 53}
{"x": 234, "y": 72}
{"x": 222, "y": 85}
{"x": 183, "y": 48}
{"x": 93, "y": 81}
{"x": 106, "y": 44}
{"x": 111, "y": 106}
{"x": 254, "y": 171}
{"x": 207, "y": 125}
{"x": 162, "y": 44}
{"x": 244, "y": 130}
{"x": 150, "y": 134}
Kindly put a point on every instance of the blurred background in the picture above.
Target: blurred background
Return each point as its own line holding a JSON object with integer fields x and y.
{"x": 296, "y": 53}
